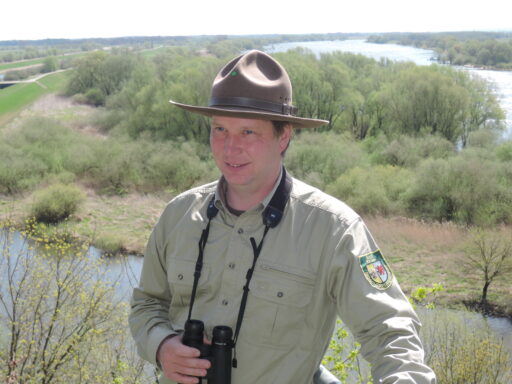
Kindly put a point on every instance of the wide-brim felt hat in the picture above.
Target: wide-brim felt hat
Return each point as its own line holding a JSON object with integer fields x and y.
{"x": 254, "y": 86}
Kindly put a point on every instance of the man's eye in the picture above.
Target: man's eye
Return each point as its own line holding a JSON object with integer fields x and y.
{"x": 248, "y": 132}
{"x": 219, "y": 129}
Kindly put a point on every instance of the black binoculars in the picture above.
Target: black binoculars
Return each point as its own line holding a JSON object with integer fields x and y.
{"x": 219, "y": 353}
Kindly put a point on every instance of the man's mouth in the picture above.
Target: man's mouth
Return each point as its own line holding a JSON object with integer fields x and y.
{"x": 234, "y": 165}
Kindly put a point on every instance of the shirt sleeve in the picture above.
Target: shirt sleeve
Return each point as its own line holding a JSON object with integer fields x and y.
{"x": 149, "y": 316}
{"x": 379, "y": 316}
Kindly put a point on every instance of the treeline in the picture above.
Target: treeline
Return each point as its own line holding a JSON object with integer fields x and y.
{"x": 16, "y": 50}
{"x": 356, "y": 94}
{"x": 481, "y": 49}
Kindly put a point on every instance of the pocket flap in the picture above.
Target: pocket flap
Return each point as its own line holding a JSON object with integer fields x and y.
{"x": 281, "y": 291}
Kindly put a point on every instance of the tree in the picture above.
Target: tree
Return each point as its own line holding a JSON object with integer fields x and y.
{"x": 60, "y": 318}
{"x": 50, "y": 64}
{"x": 490, "y": 254}
{"x": 482, "y": 110}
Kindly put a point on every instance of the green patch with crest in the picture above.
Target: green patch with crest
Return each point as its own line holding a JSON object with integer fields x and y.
{"x": 376, "y": 270}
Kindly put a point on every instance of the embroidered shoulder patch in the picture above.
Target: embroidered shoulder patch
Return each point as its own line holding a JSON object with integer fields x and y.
{"x": 376, "y": 270}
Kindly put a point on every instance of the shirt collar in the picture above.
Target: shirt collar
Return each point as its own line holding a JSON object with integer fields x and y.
{"x": 220, "y": 193}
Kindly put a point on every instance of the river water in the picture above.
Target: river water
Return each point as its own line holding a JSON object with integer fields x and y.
{"x": 124, "y": 272}
{"x": 501, "y": 81}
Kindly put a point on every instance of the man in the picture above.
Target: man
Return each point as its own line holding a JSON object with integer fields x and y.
{"x": 280, "y": 259}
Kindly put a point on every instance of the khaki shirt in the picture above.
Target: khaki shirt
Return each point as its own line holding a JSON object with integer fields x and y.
{"x": 309, "y": 272}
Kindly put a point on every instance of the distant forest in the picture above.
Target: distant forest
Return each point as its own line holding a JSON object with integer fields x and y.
{"x": 14, "y": 50}
{"x": 480, "y": 49}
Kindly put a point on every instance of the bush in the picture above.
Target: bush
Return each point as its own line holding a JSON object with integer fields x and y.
{"x": 374, "y": 190}
{"x": 56, "y": 203}
{"x": 408, "y": 151}
{"x": 504, "y": 151}
{"x": 19, "y": 170}
{"x": 462, "y": 350}
{"x": 95, "y": 97}
{"x": 63, "y": 320}
{"x": 320, "y": 158}
{"x": 468, "y": 188}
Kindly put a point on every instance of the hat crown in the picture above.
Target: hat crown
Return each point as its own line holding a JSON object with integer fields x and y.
{"x": 253, "y": 75}
{"x": 253, "y": 86}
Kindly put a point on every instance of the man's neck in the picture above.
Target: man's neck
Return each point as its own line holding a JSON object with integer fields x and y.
{"x": 245, "y": 198}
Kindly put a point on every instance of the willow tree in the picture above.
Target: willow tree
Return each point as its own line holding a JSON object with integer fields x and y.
{"x": 490, "y": 255}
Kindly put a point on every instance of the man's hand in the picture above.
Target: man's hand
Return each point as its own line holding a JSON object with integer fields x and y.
{"x": 180, "y": 362}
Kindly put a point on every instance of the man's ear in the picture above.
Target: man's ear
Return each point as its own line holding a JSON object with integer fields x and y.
{"x": 284, "y": 139}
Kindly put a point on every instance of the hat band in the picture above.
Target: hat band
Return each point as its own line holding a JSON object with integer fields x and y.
{"x": 245, "y": 102}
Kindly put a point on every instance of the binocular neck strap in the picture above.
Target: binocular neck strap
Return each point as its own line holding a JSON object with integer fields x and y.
{"x": 212, "y": 211}
{"x": 256, "y": 250}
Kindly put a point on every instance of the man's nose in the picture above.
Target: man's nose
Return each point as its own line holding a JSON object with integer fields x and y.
{"x": 231, "y": 143}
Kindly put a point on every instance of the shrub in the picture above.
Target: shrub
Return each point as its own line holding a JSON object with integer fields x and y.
{"x": 504, "y": 151}
{"x": 343, "y": 358}
{"x": 482, "y": 138}
{"x": 467, "y": 188}
{"x": 462, "y": 350}
{"x": 373, "y": 190}
{"x": 320, "y": 158}
{"x": 95, "y": 97}
{"x": 62, "y": 320}
{"x": 56, "y": 203}
{"x": 19, "y": 170}
{"x": 408, "y": 151}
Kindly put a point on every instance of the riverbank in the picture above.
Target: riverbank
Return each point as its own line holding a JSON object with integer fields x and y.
{"x": 420, "y": 253}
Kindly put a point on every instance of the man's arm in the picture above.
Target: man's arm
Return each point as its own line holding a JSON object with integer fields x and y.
{"x": 377, "y": 313}
{"x": 149, "y": 316}
{"x": 156, "y": 339}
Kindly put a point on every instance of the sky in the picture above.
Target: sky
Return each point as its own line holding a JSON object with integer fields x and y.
{"x": 41, "y": 19}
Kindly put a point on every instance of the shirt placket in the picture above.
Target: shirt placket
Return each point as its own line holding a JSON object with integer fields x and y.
{"x": 238, "y": 260}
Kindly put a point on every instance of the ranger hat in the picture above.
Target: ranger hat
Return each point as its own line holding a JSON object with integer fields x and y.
{"x": 254, "y": 86}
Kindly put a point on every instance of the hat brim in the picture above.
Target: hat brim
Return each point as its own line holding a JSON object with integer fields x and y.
{"x": 297, "y": 122}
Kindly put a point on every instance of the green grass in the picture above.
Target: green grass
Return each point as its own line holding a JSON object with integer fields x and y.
{"x": 26, "y": 63}
{"x": 16, "y": 97}
{"x": 20, "y": 64}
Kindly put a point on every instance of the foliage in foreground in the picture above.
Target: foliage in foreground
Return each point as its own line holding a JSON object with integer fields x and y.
{"x": 61, "y": 319}
{"x": 463, "y": 350}
{"x": 460, "y": 347}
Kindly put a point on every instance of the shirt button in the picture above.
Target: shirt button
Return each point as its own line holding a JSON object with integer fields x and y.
{"x": 231, "y": 265}
{"x": 280, "y": 294}
{"x": 224, "y": 302}
{"x": 180, "y": 277}
{"x": 240, "y": 231}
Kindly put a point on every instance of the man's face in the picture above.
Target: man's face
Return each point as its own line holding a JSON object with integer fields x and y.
{"x": 247, "y": 152}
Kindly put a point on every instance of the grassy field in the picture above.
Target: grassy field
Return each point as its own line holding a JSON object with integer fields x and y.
{"x": 16, "y": 97}
{"x": 20, "y": 64}
{"x": 26, "y": 63}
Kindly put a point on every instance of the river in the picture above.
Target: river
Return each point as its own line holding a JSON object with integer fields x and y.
{"x": 124, "y": 272}
{"x": 501, "y": 81}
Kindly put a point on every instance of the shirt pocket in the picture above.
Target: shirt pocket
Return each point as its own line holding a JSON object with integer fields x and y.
{"x": 180, "y": 276}
{"x": 277, "y": 306}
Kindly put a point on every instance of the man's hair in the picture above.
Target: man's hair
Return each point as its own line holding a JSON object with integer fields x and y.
{"x": 278, "y": 127}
